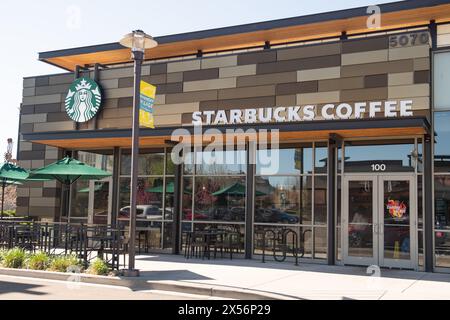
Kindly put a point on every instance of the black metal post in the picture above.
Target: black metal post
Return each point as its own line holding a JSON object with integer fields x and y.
{"x": 177, "y": 194}
{"x": 3, "y": 196}
{"x": 115, "y": 187}
{"x": 428, "y": 204}
{"x": 138, "y": 57}
{"x": 331, "y": 199}
{"x": 249, "y": 195}
{"x": 428, "y": 227}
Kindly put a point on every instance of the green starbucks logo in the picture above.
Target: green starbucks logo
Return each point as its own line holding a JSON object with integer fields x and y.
{"x": 83, "y": 100}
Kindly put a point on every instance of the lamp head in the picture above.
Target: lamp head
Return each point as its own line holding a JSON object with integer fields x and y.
{"x": 138, "y": 41}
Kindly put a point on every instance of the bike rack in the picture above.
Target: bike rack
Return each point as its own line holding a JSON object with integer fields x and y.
{"x": 279, "y": 239}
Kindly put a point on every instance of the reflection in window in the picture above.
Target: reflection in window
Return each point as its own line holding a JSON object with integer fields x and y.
{"x": 284, "y": 161}
{"x": 441, "y": 81}
{"x": 188, "y": 164}
{"x": 321, "y": 159}
{"x": 221, "y": 162}
{"x": 149, "y": 199}
{"x": 291, "y": 189}
{"x": 149, "y": 163}
{"x": 442, "y": 202}
{"x": 320, "y": 243}
{"x": 395, "y": 157}
{"x": 442, "y": 145}
{"x": 283, "y": 199}
{"x": 320, "y": 200}
{"x": 101, "y": 202}
{"x": 82, "y": 191}
{"x": 100, "y": 161}
{"x": 80, "y": 200}
{"x": 219, "y": 199}
{"x": 187, "y": 199}
{"x": 442, "y": 248}
{"x": 170, "y": 166}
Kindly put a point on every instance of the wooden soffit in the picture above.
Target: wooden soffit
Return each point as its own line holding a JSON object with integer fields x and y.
{"x": 401, "y": 14}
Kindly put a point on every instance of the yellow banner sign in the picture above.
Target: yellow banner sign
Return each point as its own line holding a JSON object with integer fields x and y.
{"x": 148, "y": 94}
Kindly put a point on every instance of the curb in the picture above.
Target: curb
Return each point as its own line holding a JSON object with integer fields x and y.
{"x": 140, "y": 284}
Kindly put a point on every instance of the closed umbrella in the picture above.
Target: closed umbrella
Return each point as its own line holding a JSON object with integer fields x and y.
{"x": 10, "y": 174}
{"x": 68, "y": 171}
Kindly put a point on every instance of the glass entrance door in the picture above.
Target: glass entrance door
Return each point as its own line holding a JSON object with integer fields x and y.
{"x": 379, "y": 221}
{"x": 99, "y": 205}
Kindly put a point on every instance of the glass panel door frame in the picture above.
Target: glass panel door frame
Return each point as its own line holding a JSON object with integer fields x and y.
{"x": 378, "y": 221}
{"x": 91, "y": 200}
{"x": 412, "y": 263}
{"x": 353, "y": 260}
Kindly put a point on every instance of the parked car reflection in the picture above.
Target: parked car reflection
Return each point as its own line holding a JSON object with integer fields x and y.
{"x": 275, "y": 216}
{"x": 147, "y": 212}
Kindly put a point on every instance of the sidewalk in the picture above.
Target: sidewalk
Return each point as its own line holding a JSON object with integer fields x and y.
{"x": 306, "y": 281}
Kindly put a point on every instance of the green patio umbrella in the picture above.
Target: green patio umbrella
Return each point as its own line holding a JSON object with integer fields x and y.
{"x": 10, "y": 174}
{"x": 236, "y": 189}
{"x": 170, "y": 188}
{"x": 97, "y": 187}
{"x": 68, "y": 171}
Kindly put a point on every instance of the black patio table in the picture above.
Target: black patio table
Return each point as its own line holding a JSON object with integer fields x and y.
{"x": 199, "y": 242}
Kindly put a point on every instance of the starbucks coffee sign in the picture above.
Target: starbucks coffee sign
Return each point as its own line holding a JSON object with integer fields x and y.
{"x": 83, "y": 100}
{"x": 358, "y": 110}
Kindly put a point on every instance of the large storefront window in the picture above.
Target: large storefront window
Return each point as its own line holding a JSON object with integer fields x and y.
{"x": 441, "y": 81}
{"x": 442, "y": 219}
{"x": 442, "y": 145}
{"x": 214, "y": 191}
{"x": 380, "y": 157}
{"x": 441, "y": 99}
{"x": 90, "y": 201}
{"x": 291, "y": 198}
{"x": 155, "y": 194}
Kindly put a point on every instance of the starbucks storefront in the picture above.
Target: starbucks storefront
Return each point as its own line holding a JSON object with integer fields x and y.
{"x": 334, "y": 143}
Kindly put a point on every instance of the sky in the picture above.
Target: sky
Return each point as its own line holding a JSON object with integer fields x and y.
{"x": 29, "y": 27}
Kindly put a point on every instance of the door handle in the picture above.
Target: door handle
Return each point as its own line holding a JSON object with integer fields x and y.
{"x": 375, "y": 228}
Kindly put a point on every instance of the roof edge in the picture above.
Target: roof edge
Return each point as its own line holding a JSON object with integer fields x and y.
{"x": 252, "y": 27}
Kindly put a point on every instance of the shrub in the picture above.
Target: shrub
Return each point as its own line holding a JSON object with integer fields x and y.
{"x": 38, "y": 261}
{"x": 2, "y": 255}
{"x": 9, "y": 213}
{"x": 98, "y": 267}
{"x": 14, "y": 258}
{"x": 62, "y": 263}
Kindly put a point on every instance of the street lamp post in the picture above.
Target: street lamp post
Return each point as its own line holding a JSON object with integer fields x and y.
{"x": 138, "y": 42}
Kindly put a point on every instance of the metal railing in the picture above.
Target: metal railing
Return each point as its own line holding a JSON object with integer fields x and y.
{"x": 85, "y": 241}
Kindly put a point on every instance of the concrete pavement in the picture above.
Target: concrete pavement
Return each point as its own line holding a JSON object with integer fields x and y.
{"x": 18, "y": 288}
{"x": 307, "y": 281}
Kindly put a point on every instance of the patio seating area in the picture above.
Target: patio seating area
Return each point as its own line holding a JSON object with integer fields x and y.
{"x": 204, "y": 243}
{"x": 85, "y": 241}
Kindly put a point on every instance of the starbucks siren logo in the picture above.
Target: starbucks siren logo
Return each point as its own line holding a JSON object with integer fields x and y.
{"x": 83, "y": 100}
